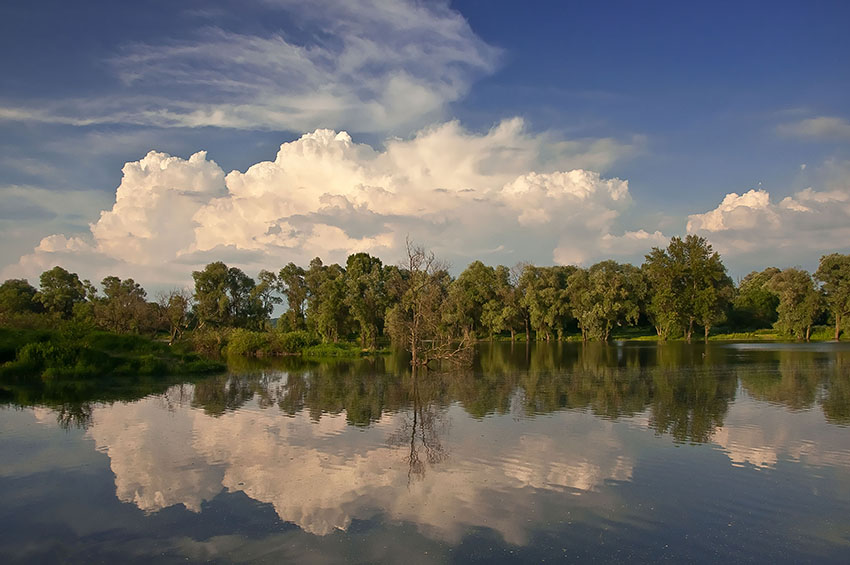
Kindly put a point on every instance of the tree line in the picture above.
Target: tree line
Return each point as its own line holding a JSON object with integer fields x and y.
{"x": 678, "y": 290}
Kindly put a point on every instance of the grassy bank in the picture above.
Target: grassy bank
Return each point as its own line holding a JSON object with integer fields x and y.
{"x": 819, "y": 333}
{"x": 270, "y": 343}
{"x": 76, "y": 352}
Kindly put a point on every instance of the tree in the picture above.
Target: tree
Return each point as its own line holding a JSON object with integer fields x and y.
{"x": 468, "y": 294}
{"x": 365, "y": 295}
{"x": 799, "y": 301}
{"x": 17, "y": 296}
{"x": 502, "y": 310}
{"x": 263, "y": 298}
{"x": 123, "y": 308}
{"x": 60, "y": 291}
{"x": 754, "y": 305}
{"x": 604, "y": 296}
{"x": 834, "y": 272}
{"x": 663, "y": 304}
{"x": 416, "y": 321}
{"x": 327, "y": 314}
{"x": 545, "y": 299}
{"x": 228, "y": 297}
{"x": 291, "y": 284}
{"x": 688, "y": 284}
{"x": 174, "y": 306}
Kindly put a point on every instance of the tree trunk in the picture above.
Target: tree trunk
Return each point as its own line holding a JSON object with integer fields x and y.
{"x": 513, "y": 335}
{"x": 690, "y": 331}
{"x": 837, "y": 325}
{"x": 527, "y": 334}
{"x": 707, "y": 329}
{"x": 808, "y": 332}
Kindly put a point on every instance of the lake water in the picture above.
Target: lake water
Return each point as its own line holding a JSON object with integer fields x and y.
{"x": 621, "y": 452}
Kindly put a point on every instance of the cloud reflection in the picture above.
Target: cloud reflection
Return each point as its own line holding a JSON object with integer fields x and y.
{"x": 323, "y": 474}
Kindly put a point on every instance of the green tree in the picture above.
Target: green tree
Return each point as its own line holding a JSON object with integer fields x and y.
{"x": 17, "y": 296}
{"x": 662, "y": 305}
{"x": 60, "y": 291}
{"x": 799, "y": 302}
{"x": 606, "y": 295}
{"x": 545, "y": 299}
{"x": 834, "y": 273}
{"x": 688, "y": 284}
{"x": 227, "y": 297}
{"x": 124, "y": 307}
{"x": 365, "y": 295}
{"x": 468, "y": 294}
{"x": 174, "y": 307}
{"x": 292, "y": 285}
{"x": 754, "y": 305}
{"x": 502, "y": 311}
{"x": 327, "y": 314}
{"x": 263, "y": 298}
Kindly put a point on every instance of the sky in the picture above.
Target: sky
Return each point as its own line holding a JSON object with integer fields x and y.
{"x": 147, "y": 139}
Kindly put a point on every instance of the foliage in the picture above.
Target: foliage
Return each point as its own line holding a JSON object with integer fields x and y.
{"x": 365, "y": 295}
{"x": 607, "y": 295}
{"x": 64, "y": 354}
{"x": 291, "y": 283}
{"x": 332, "y": 350}
{"x": 799, "y": 302}
{"x": 227, "y": 297}
{"x": 834, "y": 272}
{"x": 544, "y": 297}
{"x": 416, "y": 322}
{"x": 17, "y": 296}
{"x": 688, "y": 284}
{"x": 246, "y": 342}
{"x": 327, "y": 313}
{"x": 60, "y": 291}
{"x": 754, "y": 305}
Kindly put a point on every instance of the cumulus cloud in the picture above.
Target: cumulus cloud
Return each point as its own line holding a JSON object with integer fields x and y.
{"x": 506, "y": 192}
{"x": 364, "y": 65}
{"x": 821, "y": 127}
{"x": 796, "y": 229}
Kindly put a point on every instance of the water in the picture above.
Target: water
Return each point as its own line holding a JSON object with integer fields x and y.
{"x": 621, "y": 452}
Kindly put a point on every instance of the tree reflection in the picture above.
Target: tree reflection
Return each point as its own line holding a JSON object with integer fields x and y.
{"x": 690, "y": 403}
{"x": 423, "y": 425}
{"x": 684, "y": 390}
{"x": 836, "y": 399}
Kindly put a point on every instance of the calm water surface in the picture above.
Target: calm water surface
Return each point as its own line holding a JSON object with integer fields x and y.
{"x": 632, "y": 451}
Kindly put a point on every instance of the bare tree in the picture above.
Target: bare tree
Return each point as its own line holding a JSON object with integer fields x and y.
{"x": 420, "y": 432}
{"x": 416, "y": 321}
{"x": 173, "y": 306}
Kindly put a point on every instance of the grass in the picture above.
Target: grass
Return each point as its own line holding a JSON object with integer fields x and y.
{"x": 77, "y": 354}
{"x": 327, "y": 350}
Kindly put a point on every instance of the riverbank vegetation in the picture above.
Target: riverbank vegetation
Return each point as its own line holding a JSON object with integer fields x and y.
{"x": 65, "y": 325}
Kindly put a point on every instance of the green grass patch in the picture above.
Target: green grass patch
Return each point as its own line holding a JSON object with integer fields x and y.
{"x": 66, "y": 353}
{"x": 332, "y": 350}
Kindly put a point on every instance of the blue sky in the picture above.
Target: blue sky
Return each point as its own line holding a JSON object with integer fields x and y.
{"x": 726, "y": 119}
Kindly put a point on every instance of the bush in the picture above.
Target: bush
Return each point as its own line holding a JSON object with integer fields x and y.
{"x": 293, "y": 342}
{"x": 333, "y": 350}
{"x": 209, "y": 341}
{"x": 246, "y": 342}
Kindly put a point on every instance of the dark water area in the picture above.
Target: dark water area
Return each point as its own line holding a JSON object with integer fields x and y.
{"x": 630, "y": 451}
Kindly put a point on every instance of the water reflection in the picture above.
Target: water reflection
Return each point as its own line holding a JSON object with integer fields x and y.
{"x": 544, "y": 431}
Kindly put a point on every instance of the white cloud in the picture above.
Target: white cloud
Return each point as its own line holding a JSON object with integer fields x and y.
{"x": 753, "y": 228}
{"x": 463, "y": 193}
{"x": 367, "y": 66}
{"x": 821, "y": 127}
